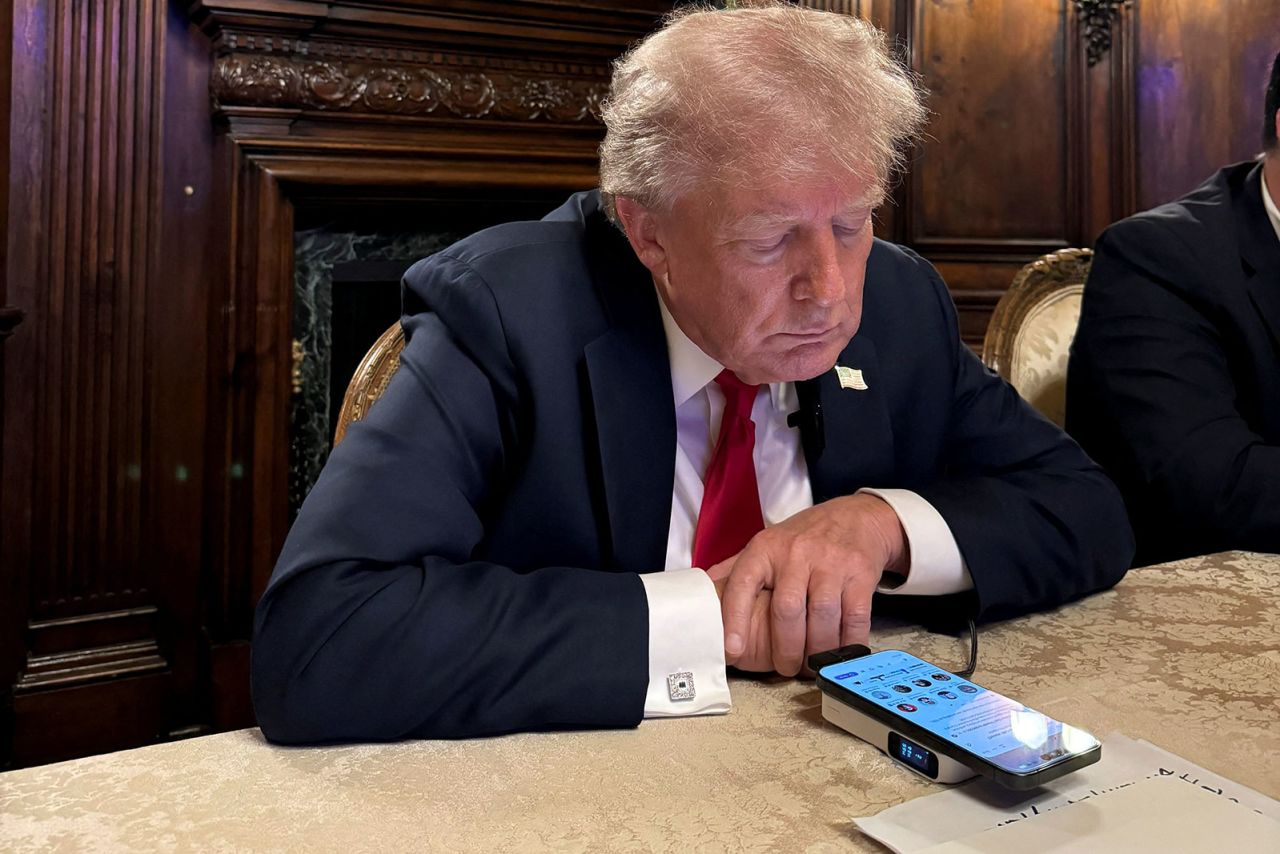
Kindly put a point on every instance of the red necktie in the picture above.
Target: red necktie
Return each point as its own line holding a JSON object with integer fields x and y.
{"x": 730, "y": 513}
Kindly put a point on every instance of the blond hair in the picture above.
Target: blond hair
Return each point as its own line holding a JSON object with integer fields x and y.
{"x": 738, "y": 95}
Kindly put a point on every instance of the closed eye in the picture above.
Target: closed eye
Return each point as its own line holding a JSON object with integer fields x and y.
{"x": 850, "y": 231}
{"x": 767, "y": 245}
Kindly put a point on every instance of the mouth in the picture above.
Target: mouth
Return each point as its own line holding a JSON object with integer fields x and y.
{"x": 804, "y": 335}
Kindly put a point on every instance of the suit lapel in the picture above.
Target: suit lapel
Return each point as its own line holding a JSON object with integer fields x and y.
{"x": 858, "y": 437}
{"x": 1259, "y": 251}
{"x": 629, "y": 376}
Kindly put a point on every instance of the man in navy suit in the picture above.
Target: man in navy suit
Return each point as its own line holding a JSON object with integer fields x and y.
{"x": 582, "y": 495}
{"x": 1174, "y": 379}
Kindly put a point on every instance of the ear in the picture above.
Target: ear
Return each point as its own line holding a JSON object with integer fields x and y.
{"x": 640, "y": 224}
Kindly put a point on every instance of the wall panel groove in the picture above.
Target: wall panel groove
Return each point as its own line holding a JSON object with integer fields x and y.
{"x": 90, "y": 227}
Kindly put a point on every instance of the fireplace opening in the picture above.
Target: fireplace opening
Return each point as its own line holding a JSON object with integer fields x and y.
{"x": 349, "y": 257}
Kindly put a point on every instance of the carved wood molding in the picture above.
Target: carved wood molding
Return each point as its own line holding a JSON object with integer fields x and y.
{"x": 1097, "y": 16}
{"x": 273, "y": 80}
{"x": 544, "y": 61}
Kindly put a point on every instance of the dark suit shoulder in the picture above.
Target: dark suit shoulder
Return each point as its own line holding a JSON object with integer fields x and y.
{"x": 895, "y": 258}
{"x": 901, "y": 289}
{"x": 540, "y": 291}
{"x": 896, "y": 274}
{"x": 517, "y": 256}
{"x": 1169, "y": 242}
{"x": 561, "y": 232}
{"x": 500, "y": 249}
{"x": 1207, "y": 206}
{"x": 1175, "y": 226}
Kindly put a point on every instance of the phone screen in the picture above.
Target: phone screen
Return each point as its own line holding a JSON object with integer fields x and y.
{"x": 1002, "y": 731}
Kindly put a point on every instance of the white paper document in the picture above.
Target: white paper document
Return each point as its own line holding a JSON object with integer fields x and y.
{"x": 1156, "y": 815}
{"x": 981, "y": 805}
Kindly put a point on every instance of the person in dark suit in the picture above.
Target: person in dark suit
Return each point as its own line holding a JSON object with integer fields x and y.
{"x": 593, "y": 409}
{"x": 1174, "y": 377}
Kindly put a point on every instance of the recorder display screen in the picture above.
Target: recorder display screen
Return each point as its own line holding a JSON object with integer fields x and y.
{"x": 990, "y": 725}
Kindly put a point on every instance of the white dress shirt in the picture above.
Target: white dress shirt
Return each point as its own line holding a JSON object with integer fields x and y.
{"x": 1269, "y": 202}
{"x": 686, "y": 634}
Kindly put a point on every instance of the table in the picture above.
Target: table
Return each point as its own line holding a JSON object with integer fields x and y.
{"x": 1185, "y": 655}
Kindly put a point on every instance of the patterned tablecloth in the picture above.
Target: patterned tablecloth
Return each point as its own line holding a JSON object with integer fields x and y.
{"x": 1185, "y": 655}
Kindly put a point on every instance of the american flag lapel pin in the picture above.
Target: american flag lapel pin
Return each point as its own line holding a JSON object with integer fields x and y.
{"x": 850, "y": 378}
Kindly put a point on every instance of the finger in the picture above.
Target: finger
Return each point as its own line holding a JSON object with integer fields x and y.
{"x": 758, "y": 656}
{"x": 825, "y": 608}
{"x": 855, "y": 618}
{"x": 738, "y": 599}
{"x": 722, "y": 570}
{"x": 789, "y": 612}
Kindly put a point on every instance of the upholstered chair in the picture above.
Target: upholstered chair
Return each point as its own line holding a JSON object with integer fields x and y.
{"x": 1030, "y": 334}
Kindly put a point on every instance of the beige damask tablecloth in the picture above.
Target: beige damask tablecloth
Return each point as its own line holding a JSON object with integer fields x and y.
{"x": 1186, "y": 656}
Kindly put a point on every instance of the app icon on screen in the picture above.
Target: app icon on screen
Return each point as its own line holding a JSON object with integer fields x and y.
{"x": 968, "y": 689}
{"x": 906, "y": 707}
{"x": 941, "y": 677}
{"x": 881, "y": 695}
{"x": 949, "y": 695}
{"x": 902, "y": 689}
{"x": 923, "y": 683}
{"x": 928, "y": 701}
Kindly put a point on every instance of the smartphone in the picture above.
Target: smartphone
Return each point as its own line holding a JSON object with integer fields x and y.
{"x": 929, "y": 710}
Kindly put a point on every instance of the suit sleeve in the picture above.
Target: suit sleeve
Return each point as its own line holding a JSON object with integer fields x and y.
{"x": 379, "y": 624}
{"x": 1038, "y": 523}
{"x": 1153, "y": 395}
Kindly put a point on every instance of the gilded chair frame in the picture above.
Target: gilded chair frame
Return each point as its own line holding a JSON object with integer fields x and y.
{"x": 370, "y": 379}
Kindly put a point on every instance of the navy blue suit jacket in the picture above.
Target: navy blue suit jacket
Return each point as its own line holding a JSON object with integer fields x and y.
{"x": 1174, "y": 380}
{"x": 467, "y": 562}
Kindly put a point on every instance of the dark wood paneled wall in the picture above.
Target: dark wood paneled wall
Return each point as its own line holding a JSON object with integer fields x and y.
{"x": 81, "y": 484}
{"x": 1201, "y": 75}
{"x": 157, "y": 152}
{"x": 104, "y": 430}
{"x": 1028, "y": 148}
{"x": 1054, "y": 118}
{"x": 970, "y": 187}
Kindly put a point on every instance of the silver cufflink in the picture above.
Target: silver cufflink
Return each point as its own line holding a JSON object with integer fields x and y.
{"x": 680, "y": 686}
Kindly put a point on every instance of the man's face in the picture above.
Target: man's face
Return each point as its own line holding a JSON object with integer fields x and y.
{"x": 768, "y": 281}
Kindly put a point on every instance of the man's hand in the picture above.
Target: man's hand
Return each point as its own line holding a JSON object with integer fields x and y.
{"x": 814, "y": 574}
{"x": 757, "y": 652}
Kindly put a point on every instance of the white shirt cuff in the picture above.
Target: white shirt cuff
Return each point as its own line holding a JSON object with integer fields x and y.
{"x": 686, "y": 641}
{"x": 936, "y": 568}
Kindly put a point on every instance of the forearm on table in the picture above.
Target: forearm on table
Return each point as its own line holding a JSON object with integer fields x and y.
{"x": 1033, "y": 540}
{"x": 352, "y": 651}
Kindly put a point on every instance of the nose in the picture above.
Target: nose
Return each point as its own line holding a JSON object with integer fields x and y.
{"x": 820, "y": 280}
